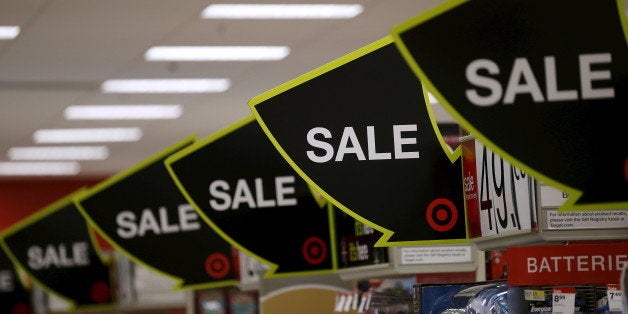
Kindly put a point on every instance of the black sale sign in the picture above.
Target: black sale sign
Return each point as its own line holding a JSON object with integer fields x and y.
{"x": 56, "y": 249}
{"x": 543, "y": 83}
{"x": 243, "y": 188}
{"x": 144, "y": 215}
{"x": 15, "y": 297}
{"x": 359, "y": 131}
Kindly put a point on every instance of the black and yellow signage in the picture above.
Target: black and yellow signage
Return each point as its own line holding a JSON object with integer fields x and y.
{"x": 243, "y": 188}
{"x": 544, "y": 83}
{"x": 144, "y": 215}
{"x": 56, "y": 248}
{"x": 15, "y": 297}
{"x": 359, "y": 131}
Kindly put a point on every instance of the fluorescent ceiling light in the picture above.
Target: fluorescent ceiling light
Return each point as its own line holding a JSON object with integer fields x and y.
{"x": 59, "y": 153}
{"x": 87, "y": 135}
{"x": 40, "y": 168}
{"x": 281, "y": 11}
{"x": 216, "y": 53}
{"x": 166, "y": 86}
{"x": 123, "y": 112}
{"x": 9, "y": 32}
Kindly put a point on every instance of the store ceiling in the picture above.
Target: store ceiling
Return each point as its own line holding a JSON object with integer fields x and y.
{"x": 67, "y": 48}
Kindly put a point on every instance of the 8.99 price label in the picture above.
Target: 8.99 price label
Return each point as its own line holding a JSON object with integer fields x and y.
{"x": 563, "y": 300}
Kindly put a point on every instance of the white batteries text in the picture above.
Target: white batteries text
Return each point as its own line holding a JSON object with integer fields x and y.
{"x": 350, "y": 145}
{"x": 522, "y": 81}
{"x": 576, "y": 263}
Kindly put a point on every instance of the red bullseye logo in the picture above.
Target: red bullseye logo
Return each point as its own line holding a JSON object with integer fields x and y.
{"x": 314, "y": 250}
{"x": 441, "y": 214}
{"x": 217, "y": 265}
{"x": 100, "y": 292}
{"x": 21, "y": 308}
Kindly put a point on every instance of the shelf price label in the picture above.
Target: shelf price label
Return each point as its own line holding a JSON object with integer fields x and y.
{"x": 563, "y": 300}
{"x": 615, "y": 297}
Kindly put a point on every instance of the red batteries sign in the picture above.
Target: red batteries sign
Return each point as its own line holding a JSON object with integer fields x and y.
{"x": 566, "y": 264}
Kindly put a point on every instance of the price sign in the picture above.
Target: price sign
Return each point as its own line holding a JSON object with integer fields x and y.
{"x": 500, "y": 198}
{"x": 563, "y": 300}
{"x": 615, "y": 297}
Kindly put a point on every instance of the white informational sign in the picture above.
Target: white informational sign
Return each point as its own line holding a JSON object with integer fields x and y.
{"x": 153, "y": 287}
{"x": 506, "y": 195}
{"x": 551, "y": 196}
{"x": 594, "y": 219}
{"x": 251, "y": 270}
{"x": 435, "y": 255}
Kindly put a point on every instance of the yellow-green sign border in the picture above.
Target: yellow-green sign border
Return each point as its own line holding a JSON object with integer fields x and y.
{"x": 271, "y": 273}
{"x": 41, "y": 214}
{"x": 574, "y": 194}
{"x": 387, "y": 233}
{"x": 179, "y": 282}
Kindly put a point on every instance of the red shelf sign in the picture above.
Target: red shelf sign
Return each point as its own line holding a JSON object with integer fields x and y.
{"x": 566, "y": 264}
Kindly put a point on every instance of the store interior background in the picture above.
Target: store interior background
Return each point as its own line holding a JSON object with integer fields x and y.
{"x": 66, "y": 50}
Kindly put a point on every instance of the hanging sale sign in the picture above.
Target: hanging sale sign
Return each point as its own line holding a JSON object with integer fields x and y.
{"x": 15, "y": 298}
{"x": 242, "y": 187}
{"x": 540, "y": 82}
{"x": 56, "y": 248}
{"x": 358, "y": 130}
{"x": 144, "y": 215}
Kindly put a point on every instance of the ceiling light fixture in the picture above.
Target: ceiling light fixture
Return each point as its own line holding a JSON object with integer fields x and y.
{"x": 40, "y": 168}
{"x": 9, "y": 32}
{"x": 216, "y": 53}
{"x": 58, "y": 153}
{"x": 149, "y": 86}
{"x": 87, "y": 135}
{"x": 281, "y": 11}
{"x": 123, "y": 112}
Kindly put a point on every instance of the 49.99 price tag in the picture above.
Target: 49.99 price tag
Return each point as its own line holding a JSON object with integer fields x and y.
{"x": 563, "y": 300}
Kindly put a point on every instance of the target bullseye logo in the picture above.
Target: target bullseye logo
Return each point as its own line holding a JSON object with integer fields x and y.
{"x": 314, "y": 250}
{"x": 21, "y": 308}
{"x": 217, "y": 265}
{"x": 442, "y": 214}
{"x": 100, "y": 292}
